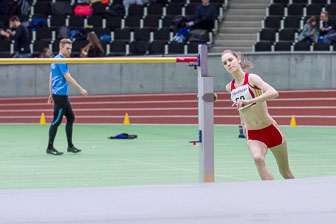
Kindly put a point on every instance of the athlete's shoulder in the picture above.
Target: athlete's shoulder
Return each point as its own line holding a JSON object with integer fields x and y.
{"x": 253, "y": 75}
{"x": 254, "y": 79}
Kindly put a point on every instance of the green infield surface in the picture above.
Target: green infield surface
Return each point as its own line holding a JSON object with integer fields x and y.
{"x": 160, "y": 155}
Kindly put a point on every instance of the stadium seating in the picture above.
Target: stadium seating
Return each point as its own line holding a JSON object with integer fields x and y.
{"x": 96, "y": 21}
{"x": 263, "y": 46}
{"x": 174, "y": 9}
{"x": 157, "y": 47}
{"x": 5, "y": 48}
{"x": 282, "y": 46}
{"x": 118, "y": 48}
{"x": 285, "y": 20}
{"x": 122, "y": 34}
{"x": 142, "y": 34}
{"x": 321, "y": 47}
{"x": 150, "y": 23}
{"x": 268, "y": 34}
{"x": 283, "y": 2}
{"x": 301, "y": 46}
{"x": 276, "y": 10}
{"x": 38, "y": 47}
{"x": 192, "y": 48}
{"x": 132, "y": 21}
{"x": 190, "y": 9}
{"x": 57, "y": 21}
{"x": 292, "y": 22}
{"x": 155, "y": 9}
{"x": 113, "y": 22}
{"x": 273, "y": 22}
{"x": 76, "y": 22}
{"x": 162, "y": 34}
{"x": 176, "y": 48}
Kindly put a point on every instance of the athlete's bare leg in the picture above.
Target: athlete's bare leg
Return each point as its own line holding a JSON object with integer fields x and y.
{"x": 281, "y": 156}
{"x": 258, "y": 151}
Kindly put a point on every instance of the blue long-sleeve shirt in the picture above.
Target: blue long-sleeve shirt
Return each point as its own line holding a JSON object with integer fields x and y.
{"x": 205, "y": 12}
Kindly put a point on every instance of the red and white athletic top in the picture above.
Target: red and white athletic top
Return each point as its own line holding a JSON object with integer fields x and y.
{"x": 244, "y": 92}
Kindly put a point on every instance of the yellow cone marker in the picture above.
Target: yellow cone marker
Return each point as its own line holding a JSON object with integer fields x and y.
{"x": 42, "y": 119}
{"x": 293, "y": 122}
{"x": 126, "y": 120}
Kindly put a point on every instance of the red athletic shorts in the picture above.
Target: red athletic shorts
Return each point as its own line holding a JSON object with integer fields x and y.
{"x": 271, "y": 135}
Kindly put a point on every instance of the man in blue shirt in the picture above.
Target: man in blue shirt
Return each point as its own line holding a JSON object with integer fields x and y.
{"x": 205, "y": 16}
{"x": 58, "y": 86}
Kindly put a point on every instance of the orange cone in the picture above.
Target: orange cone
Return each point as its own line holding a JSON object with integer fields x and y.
{"x": 126, "y": 120}
{"x": 293, "y": 122}
{"x": 42, "y": 119}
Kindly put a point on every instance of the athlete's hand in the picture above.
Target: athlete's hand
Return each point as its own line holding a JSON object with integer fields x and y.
{"x": 241, "y": 103}
{"x": 50, "y": 100}
{"x": 238, "y": 104}
{"x": 84, "y": 92}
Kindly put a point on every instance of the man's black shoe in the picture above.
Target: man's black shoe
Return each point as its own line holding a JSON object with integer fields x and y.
{"x": 73, "y": 149}
{"x": 53, "y": 151}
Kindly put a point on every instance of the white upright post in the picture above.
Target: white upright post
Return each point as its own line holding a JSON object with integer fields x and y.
{"x": 205, "y": 117}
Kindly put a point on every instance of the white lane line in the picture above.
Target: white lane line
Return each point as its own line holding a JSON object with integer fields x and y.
{"x": 307, "y": 91}
{"x": 170, "y": 108}
{"x": 176, "y": 168}
{"x": 104, "y": 109}
{"x": 160, "y": 101}
{"x": 172, "y": 116}
{"x": 105, "y": 102}
{"x": 172, "y": 94}
{"x": 109, "y": 96}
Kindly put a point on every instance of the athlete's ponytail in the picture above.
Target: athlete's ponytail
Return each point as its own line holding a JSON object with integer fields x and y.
{"x": 245, "y": 64}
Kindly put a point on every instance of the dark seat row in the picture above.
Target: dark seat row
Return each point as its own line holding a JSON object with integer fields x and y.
{"x": 284, "y": 22}
{"x": 298, "y": 9}
{"x": 303, "y": 2}
{"x": 149, "y": 24}
{"x": 74, "y": 22}
{"x": 272, "y": 34}
{"x": 289, "y": 46}
{"x": 115, "y": 48}
{"x": 116, "y": 34}
{"x": 173, "y": 8}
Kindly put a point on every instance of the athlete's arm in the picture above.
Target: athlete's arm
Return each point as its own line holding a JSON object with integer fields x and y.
{"x": 228, "y": 87}
{"x": 242, "y": 122}
{"x": 50, "y": 99}
{"x": 268, "y": 91}
{"x": 73, "y": 82}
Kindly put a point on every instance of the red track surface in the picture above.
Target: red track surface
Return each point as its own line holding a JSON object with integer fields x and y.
{"x": 315, "y": 107}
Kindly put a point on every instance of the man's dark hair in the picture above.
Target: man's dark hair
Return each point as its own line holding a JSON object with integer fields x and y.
{"x": 14, "y": 18}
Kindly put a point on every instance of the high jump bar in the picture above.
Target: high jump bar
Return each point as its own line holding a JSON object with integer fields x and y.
{"x": 99, "y": 60}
